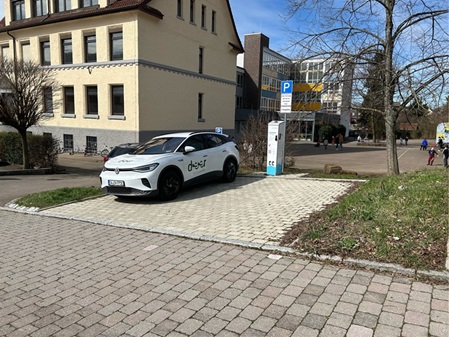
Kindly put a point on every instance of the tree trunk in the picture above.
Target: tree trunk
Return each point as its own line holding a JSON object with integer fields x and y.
{"x": 390, "y": 114}
{"x": 25, "y": 153}
{"x": 392, "y": 155}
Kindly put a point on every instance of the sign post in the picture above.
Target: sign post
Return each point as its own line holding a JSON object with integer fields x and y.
{"x": 286, "y": 96}
{"x": 276, "y": 132}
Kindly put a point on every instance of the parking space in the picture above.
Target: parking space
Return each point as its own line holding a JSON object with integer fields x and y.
{"x": 254, "y": 210}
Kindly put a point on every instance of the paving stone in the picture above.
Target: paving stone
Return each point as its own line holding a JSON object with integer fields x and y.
{"x": 314, "y": 321}
{"x": 238, "y": 325}
{"x": 263, "y": 324}
{"x": 409, "y": 330}
{"x": 103, "y": 281}
{"x": 304, "y": 331}
{"x": 365, "y": 319}
{"x": 359, "y": 331}
{"x": 189, "y": 326}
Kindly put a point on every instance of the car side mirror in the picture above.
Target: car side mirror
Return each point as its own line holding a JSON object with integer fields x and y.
{"x": 189, "y": 149}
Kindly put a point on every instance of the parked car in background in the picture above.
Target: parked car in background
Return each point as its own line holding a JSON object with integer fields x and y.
{"x": 121, "y": 149}
{"x": 169, "y": 162}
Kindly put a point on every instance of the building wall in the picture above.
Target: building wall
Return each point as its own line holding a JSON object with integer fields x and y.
{"x": 159, "y": 72}
{"x": 254, "y": 44}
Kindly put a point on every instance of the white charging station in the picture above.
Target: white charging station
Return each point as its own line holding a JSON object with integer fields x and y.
{"x": 275, "y": 148}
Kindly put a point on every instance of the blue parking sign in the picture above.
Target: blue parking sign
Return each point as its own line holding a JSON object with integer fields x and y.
{"x": 286, "y": 87}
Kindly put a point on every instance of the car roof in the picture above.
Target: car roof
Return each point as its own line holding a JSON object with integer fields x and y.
{"x": 128, "y": 145}
{"x": 186, "y": 134}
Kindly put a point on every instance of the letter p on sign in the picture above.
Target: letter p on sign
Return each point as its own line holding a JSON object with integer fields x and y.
{"x": 286, "y": 87}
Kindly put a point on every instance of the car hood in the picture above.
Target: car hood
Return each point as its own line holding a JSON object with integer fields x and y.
{"x": 132, "y": 160}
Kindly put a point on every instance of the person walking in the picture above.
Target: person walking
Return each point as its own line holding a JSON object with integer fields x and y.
{"x": 340, "y": 141}
{"x": 423, "y": 145}
{"x": 432, "y": 154}
{"x": 446, "y": 156}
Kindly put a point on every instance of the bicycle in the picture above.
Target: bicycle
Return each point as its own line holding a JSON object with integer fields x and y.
{"x": 66, "y": 150}
{"x": 105, "y": 151}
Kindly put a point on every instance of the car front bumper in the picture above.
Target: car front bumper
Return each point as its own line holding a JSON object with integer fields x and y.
{"x": 131, "y": 183}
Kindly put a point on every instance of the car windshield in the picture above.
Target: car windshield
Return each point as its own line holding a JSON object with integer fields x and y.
{"x": 117, "y": 151}
{"x": 160, "y": 145}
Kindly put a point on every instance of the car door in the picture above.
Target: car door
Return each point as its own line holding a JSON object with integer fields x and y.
{"x": 216, "y": 153}
{"x": 195, "y": 163}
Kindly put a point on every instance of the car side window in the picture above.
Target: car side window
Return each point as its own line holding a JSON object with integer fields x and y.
{"x": 195, "y": 141}
{"x": 214, "y": 141}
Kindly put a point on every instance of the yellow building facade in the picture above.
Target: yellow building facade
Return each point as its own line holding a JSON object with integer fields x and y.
{"x": 128, "y": 69}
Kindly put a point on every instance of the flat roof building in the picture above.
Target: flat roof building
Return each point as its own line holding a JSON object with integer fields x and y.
{"x": 321, "y": 87}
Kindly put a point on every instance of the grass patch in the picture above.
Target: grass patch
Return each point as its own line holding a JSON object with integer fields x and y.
{"x": 57, "y": 197}
{"x": 400, "y": 219}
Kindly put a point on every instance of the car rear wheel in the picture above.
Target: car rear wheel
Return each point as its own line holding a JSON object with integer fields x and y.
{"x": 229, "y": 171}
{"x": 169, "y": 185}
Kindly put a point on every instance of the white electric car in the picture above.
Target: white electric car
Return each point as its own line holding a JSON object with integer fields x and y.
{"x": 166, "y": 163}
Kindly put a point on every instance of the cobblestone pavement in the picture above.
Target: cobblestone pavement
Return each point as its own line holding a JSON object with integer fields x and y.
{"x": 254, "y": 210}
{"x": 62, "y": 277}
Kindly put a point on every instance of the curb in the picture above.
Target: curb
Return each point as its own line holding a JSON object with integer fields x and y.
{"x": 388, "y": 267}
{"x": 41, "y": 171}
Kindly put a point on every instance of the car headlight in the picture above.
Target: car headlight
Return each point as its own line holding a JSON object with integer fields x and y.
{"x": 146, "y": 168}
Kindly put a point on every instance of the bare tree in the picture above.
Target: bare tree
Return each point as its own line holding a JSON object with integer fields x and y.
{"x": 411, "y": 35}
{"x": 24, "y": 95}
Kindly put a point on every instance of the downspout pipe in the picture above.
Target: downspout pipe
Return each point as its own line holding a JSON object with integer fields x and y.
{"x": 14, "y": 54}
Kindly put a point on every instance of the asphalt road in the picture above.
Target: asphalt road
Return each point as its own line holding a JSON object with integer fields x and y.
{"x": 75, "y": 171}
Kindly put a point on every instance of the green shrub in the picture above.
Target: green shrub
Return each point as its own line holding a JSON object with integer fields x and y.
{"x": 11, "y": 148}
{"x": 42, "y": 149}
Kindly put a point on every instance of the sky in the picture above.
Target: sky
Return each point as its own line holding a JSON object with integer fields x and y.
{"x": 253, "y": 16}
{"x": 262, "y": 16}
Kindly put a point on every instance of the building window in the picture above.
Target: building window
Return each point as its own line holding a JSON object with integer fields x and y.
{"x": 203, "y": 16}
{"x": 240, "y": 80}
{"x": 200, "y": 60}
{"x": 45, "y": 53}
{"x": 118, "y": 101}
{"x": 48, "y": 101}
{"x": 91, "y": 144}
{"x": 92, "y": 100}
{"x": 62, "y": 5}
{"x": 26, "y": 53}
{"x": 67, "y": 54}
{"x": 214, "y": 22}
{"x": 192, "y": 11}
{"x": 87, "y": 3}
{"x": 18, "y": 10}
{"x": 67, "y": 141}
{"x": 116, "y": 42}
{"x": 69, "y": 101}
{"x": 239, "y": 102}
{"x": 5, "y": 52}
{"x": 39, "y": 7}
{"x": 90, "y": 48}
{"x": 200, "y": 107}
{"x": 179, "y": 9}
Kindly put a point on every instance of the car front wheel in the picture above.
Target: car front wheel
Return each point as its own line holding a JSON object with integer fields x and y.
{"x": 229, "y": 171}
{"x": 169, "y": 185}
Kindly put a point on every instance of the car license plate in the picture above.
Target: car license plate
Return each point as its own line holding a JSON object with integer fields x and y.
{"x": 116, "y": 183}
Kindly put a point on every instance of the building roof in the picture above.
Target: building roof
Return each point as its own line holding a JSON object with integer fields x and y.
{"x": 114, "y": 7}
